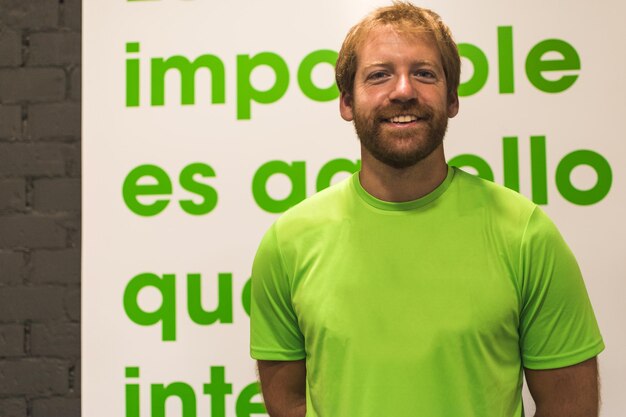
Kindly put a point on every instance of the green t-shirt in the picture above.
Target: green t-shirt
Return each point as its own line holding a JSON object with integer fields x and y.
{"x": 424, "y": 308}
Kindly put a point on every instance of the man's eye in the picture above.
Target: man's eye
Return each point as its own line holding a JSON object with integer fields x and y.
{"x": 425, "y": 74}
{"x": 377, "y": 75}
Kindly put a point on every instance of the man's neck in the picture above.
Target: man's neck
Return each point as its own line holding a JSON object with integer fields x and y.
{"x": 397, "y": 185}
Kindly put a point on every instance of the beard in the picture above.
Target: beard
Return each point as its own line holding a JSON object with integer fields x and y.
{"x": 406, "y": 147}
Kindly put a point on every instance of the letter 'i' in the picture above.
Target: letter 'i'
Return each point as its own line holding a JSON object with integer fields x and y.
{"x": 132, "y": 76}
{"x": 132, "y": 393}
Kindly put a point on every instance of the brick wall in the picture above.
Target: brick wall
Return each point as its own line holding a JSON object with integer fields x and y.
{"x": 40, "y": 208}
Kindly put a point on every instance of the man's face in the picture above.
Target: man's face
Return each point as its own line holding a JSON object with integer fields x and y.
{"x": 399, "y": 103}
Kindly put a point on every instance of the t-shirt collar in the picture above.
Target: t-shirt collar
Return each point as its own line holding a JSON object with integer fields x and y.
{"x": 405, "y": 205}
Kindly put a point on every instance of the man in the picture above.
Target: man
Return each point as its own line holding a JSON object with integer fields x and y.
{"x": 413, "y": 288}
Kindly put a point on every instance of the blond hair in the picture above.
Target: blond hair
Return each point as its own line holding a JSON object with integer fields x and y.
{"x": 405, "y": 17}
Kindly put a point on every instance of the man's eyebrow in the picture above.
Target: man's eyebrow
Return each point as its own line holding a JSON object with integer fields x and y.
{"x": 425, "y": 62}
{"x": 386, "y": 64}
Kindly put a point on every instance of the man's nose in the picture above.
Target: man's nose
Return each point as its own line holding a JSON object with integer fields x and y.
{"x": 403, "y": 89}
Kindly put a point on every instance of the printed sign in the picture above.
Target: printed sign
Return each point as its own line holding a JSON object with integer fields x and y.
{"x": 204, "y": 121}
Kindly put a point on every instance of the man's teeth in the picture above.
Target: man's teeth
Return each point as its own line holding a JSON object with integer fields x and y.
{"x": 403, "y": 119}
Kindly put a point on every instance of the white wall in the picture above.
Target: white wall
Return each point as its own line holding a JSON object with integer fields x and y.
{"x": 119, "y": 244}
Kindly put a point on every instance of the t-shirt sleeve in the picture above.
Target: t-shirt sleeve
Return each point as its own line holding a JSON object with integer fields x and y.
{"x": 274, "y": 330}
{"x": 557, "y": 325}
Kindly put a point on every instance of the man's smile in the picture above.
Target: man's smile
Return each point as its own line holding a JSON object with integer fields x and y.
{"x": 406, "y": 118}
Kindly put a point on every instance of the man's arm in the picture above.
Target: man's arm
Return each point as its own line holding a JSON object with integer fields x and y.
{"x": 283, "y": 384}
{"x": 565, "y": 392}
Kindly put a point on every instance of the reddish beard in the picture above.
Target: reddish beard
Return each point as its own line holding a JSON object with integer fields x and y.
{"x": 393, "y": 148}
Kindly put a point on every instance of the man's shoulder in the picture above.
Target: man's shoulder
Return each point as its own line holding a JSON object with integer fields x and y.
{"x": 320, "y": 208}
{"x": 475, "y": 188}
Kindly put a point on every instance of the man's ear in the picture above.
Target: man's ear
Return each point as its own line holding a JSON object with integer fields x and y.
{"x": 453, "y": 105}
{"x": 345, "y": 107}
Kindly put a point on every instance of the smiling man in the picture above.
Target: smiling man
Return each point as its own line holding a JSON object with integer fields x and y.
{"x": 413, "y": 288}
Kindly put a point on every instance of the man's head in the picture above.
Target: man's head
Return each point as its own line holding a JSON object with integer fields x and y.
{"x": 398, "y": 72}
{"x": 404, "y": 18}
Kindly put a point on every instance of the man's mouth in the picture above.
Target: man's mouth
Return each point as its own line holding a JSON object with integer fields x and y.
{"x": 402, "y": 119}
{"x": 406, "y": 118}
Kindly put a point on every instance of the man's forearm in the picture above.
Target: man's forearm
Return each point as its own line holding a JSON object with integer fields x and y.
{"x": 288, "y": 411}
{"x": 572, "y": 391}
{"x": 283, "y": 384}
{"x": 585, "y": 406}
{"x": 559, "y": 411}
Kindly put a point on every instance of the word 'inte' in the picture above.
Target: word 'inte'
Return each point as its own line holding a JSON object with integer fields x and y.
{"x": 217, "y": 389}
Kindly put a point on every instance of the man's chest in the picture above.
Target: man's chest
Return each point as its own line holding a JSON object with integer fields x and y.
{"x": 393, "y": 290}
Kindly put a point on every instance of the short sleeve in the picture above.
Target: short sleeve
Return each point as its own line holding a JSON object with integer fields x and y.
{"x": 274, "y": 330}
{"x": 557, "y": 324}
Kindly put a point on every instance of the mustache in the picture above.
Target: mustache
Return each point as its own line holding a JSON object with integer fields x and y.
{"x": 421, "y": 112}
